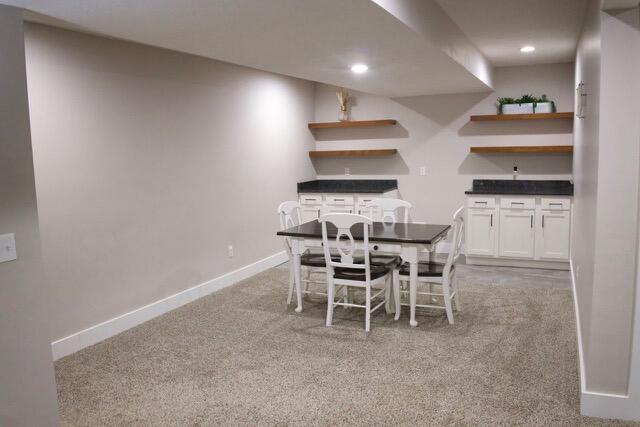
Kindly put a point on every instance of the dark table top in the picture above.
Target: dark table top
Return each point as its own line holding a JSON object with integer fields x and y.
{"x": 399, "y": 232}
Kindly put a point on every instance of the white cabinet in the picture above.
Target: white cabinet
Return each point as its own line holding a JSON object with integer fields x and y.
{"x": 553, "y": 234}
{"x": 311, "y": 205}
{"x": 525, "y": 231}
{"x": 314, "y": 204}
{"x": 516, "y": 233}
{"x": 480, "y": 232}
{"x": 309, "y": 213}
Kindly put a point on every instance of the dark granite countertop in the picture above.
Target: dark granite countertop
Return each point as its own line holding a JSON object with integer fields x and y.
{"x": 348, "y": 186}
{"x": 525, "y": 187}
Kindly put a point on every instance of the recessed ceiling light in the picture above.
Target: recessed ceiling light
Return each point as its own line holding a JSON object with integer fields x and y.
{"x": 527, "y": 49}
{"x": 359, "y": 68}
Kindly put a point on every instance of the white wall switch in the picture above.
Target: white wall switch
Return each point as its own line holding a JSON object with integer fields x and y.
{"x": 423, "y": 170}
{"x": 8, "y": 247}
{"x": 230, "y": 249}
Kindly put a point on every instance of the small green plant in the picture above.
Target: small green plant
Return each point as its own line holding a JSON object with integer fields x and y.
{"x": 524, "y": 99}
{"x": 503, "y": 101}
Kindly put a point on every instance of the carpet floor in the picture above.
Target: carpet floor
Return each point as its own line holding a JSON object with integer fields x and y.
{"x": 242, "y": 357}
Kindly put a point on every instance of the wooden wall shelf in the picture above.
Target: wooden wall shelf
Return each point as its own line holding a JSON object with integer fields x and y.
{"x": 524, "y": 149}
{"x": 354, "y": 153}
{"x": 509, "y": 117}
{"x": 352, "y": 124}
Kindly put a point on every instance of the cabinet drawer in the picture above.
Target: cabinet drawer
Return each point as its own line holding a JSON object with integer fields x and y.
{"x": 481, "y": 202}
{"x": 363, "y": 201}
{"x": 518, "y": 203}
{"x": 310, "y": 199}
{"x": 547, "y": 203}
{"x": 339, "y": 200}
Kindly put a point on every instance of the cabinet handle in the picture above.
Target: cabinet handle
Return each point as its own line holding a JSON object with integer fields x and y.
{"x": 542, "y": 221}
{"x": 517, "y": 203}
{"x": 491, "y": 220}
{"x": 531, "y": 221}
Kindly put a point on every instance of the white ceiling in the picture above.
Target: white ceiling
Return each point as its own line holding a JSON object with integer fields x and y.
{"x": 501, "y": 27}
{"x": 411, "y": 46}
{"x": 311, "y": 39}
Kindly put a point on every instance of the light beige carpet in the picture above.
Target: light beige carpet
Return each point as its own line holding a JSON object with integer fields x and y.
{"x": 242, "y": 357}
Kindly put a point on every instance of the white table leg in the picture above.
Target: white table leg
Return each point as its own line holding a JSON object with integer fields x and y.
{"x": 296, "y": 274}
{"x": 413, "y": 290}
{"x": 410, "y": 255}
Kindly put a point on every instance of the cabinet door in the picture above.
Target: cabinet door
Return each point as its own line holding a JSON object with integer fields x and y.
{"x": 516, "y": 233}
{"x": 310, "y": 213}
{"x": 480, "y": 234}
{"x": 553, "y": 234}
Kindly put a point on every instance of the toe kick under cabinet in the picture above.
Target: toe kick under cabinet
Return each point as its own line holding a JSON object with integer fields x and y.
{"x": 519, "y": 231}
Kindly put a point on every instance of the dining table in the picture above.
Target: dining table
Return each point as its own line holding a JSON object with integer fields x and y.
{"x": 408, "y": 240}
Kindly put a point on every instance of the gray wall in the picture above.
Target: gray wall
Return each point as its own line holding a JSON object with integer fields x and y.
{"x": 606, "y": 167}
{"x": 149, "y": 163}
{"x": 435, "y": 132}
{"x": 27, "y": 390}
{"x": 585, "y": 168}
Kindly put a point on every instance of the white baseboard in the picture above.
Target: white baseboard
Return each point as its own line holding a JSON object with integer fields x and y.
{"x": 592, "y": 403}
{"x": 111, "y": 327}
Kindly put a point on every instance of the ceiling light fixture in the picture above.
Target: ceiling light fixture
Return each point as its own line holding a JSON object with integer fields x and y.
{"x": 527, "y": 49}
{"x": 359, "y": 68}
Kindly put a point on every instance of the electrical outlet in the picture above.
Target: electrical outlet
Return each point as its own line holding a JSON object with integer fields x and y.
{"x": 347, "y": 172}
{"x": 423, "y": 170}
{"x": 230, "y": 249}
{"x": 8, "y": 247}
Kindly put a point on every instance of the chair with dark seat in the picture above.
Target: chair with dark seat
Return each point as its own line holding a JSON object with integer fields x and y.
{"x": 387, "y": 210}
{"x": 434, "y": 273}
{"x": 348, "y": 272}
{"x": 313, "y": 262}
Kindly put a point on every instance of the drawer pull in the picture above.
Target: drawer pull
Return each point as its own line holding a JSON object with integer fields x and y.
{"x": 491, "y": 220}
{"x": 480, "y": 203}
{"x": 517, "y": 203}
{"x": 531, "y": 221}
{"x": 542, "y": 221}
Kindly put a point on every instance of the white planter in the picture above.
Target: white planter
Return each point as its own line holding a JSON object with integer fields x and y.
{"x": 517, "y": 108}
{"x": 544, "y": 107}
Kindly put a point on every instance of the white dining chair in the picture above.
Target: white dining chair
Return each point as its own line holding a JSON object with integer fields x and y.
{"x": 313, "y": 262}
{"x": 434, "y": 273}
{"x": 346, "y": 272}
{"x": 389, "y": 210}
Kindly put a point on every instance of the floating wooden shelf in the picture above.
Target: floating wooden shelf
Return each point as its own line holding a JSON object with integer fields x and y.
{"x": 354, "y": 153}
{"x": 507, "y": 117}
{"x": 525, "y": 149}
{"x": 352, "y": 124}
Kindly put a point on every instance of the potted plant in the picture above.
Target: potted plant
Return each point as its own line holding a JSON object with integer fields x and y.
{"x": 543, "y": 105}
{"x": 526, "y": 104}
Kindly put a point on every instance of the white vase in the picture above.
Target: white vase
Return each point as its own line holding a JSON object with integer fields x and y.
{"x": 544, "y": 107}
{"x": 517, "y": 108}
